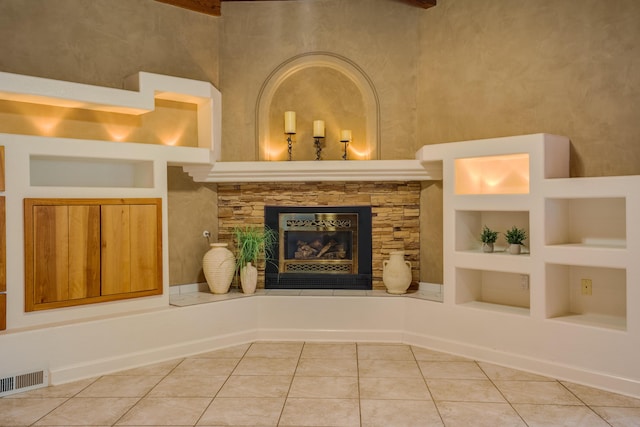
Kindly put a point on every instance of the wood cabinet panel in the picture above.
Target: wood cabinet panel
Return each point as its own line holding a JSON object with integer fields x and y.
{"x": 2, "y": 179}
{"x": 80, "y": 251}
{"x": 3, "y": 245}
{"x": 3, "y": 312}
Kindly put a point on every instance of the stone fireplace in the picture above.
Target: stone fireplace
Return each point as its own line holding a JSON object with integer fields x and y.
{"x": 320, "y": 247}
{"x": 395, "y": 212}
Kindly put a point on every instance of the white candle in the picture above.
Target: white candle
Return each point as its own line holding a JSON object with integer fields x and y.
{"x": 318, "y": 128}
{"x": 345, "y": 135}
{"x": 289, "y": 122}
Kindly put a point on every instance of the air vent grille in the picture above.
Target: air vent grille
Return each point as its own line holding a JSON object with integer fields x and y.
{"x": 23, "y": 382}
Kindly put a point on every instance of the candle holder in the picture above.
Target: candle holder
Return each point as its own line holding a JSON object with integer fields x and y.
{"x": 346, "y": 144}
{"x": 290, "y": 144}
{"x": 318, "y": 144}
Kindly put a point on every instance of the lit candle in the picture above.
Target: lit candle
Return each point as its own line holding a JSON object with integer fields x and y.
{"x": 289, "y": 122}
{"x": 318, "y": 128}
{"x": 345, "y": 135}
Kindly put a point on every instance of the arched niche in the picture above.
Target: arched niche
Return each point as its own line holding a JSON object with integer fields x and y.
{"x": 318, "y": 86}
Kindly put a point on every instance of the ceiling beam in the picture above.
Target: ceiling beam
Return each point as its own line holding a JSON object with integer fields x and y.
{"x": 425, "y": 4}
{"x": 210, "y": 7}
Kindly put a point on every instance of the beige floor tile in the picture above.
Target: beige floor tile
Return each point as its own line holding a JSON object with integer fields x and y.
{"x": 121, "y": 386}
{"x": 426, "y": 354}
{"x": 451, "y": 370}
{"x": 321, "y": 412}
{"x": 329, "y": 351}
{"x": 465, "y": 414}
{"x": 162, "y": 411}
{"x": 536, "y": 392}
{"x": 496, "y": 372}
{"x": 235, "y": 352}
{"x": 619, "y": 417}
{"x": 325, "y": 387}
{"x": 398, "y": 413}
{"x": 327, "y": 367}
{"x": 63, "y": 390}
{"x": 394, "y": 388}
{"x": 205, "y": 367}
{"x": 24, "y": 412}
{"x": 89, "y": 411}
{"x": 280, "y": 350}
{"x": 464, "y": 391}
{"x": 256, "y": 386}
{"x": 384, "y": 352}
{"x": 595, "y": 397}
{"x": 559, "y": 415}
{"x": 266, "y": 366}
{"x": 188, "y": 386}
{"x": 388, "y": 368}
{"x": 163, "y": 368}
{"x": 259, "y": 411}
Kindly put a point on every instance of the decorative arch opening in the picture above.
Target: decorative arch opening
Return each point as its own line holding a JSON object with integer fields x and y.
{"x": 318, "y": 86}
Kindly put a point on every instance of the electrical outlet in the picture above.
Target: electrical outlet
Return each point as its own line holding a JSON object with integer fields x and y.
{"x": 586, "y": 287}
{"x": 206, "y": 234}
{"x": 524, "y": 282}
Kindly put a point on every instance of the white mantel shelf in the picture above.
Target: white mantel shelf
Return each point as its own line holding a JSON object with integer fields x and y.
{"x": 315, "y": 171}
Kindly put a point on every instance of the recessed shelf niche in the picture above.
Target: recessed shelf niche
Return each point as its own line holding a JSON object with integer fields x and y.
{"x": 505, "y": 174}
{"x": 493, "y": 290}
{"x": 58, "y": 171}
{"x": 469, "y": 226}
{"x": 605, "y": 307}
{"x": 595, "y": 222}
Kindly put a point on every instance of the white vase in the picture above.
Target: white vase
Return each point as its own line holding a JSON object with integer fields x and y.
{"x": 487, "y": 247}
{"x": 514, "y": 249}
{"x": 219, "y": 265}
{"x": 396, "y": 273}
{"x": 249, "y": 278}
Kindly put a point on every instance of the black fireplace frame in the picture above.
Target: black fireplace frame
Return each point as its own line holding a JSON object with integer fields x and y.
{"x": 361, "y": 280}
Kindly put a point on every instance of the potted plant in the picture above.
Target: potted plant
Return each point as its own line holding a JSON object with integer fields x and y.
{"x": 488, "y": 238}
{"x": 253, "y": 244}
{"x": 515, "y": 236}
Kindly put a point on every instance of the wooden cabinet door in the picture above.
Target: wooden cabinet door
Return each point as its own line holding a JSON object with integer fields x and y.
{"x": 66, "y": 260}
{"x": 130, "y": 249}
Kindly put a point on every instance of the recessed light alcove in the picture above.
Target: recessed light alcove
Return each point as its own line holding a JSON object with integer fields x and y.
{"x": 318, "y": 86}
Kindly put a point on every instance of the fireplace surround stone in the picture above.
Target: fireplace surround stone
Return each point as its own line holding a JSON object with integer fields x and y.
{"x": 395, "y": 211}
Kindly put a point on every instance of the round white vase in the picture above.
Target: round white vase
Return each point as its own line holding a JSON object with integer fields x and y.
{"x": 396, "y": 273}
{"x": 514, "y": 249}
{"x": 249, "y": 278}
{"x": 219, "y": 265}
{"x": 487, "y": 247}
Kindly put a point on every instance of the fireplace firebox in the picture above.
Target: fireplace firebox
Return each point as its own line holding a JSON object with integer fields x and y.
{"x": 320, "y": 247}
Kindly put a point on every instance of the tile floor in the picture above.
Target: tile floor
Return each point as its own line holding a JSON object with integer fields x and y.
{"x": 320, "y": 384}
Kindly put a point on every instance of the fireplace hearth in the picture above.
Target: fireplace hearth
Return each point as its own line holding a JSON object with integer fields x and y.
{"x": 320, "y": 247}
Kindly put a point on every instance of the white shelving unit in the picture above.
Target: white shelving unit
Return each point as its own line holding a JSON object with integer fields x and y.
{"x": 578, "y": 228}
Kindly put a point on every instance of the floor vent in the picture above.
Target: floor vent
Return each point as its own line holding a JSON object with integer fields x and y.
{"x": 23, "y": 382}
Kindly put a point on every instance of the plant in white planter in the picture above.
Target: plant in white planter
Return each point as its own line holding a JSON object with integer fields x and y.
{"x": 488, "y": 237}
{"x": 515, "y": 236}
{"x": 253, "y": 245}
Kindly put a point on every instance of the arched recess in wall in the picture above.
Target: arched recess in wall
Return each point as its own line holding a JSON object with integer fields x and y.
{"x": 324, "y": 86}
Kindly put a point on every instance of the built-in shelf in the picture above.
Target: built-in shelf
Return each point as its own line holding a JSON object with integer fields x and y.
{"x": 498, "y": 308}
{"x": 469, "y": 226}
{"x": 64, "y": 171}
{"x": 495, "y": 288}
{"x": 504, "y": 174}
{"x": 604, "y": 304}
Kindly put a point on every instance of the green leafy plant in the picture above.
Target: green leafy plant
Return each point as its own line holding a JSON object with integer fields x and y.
{"x": 515, "y": 235}
{"x": 253, "y": 244}
{"x": 488, "y": 235}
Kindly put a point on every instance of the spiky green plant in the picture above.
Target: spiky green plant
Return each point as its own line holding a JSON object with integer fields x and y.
{"x": 515, "y": 235}
{"x": 488, "y": 235}
{"x": 253, "y": 244}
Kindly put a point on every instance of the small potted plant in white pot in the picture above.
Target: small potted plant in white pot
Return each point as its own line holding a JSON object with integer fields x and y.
{"x": 515, "y": 237}
{"x": 488, "y": 237}
{"x": 253, "y": 244}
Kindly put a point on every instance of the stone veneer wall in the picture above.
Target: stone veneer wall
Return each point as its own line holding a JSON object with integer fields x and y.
{"x": 395, "y": 208}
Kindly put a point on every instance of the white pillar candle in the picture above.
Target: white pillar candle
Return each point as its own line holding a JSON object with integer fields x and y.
{"x": 345, "y": 135}
{"x": 318, "y": 128}
{"x": 289, "y": 122}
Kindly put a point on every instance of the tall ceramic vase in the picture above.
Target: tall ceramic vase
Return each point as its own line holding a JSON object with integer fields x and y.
{"x": 396, "y": 273}
{"x": 249, "y": 278}
{"x": 219, "y": 265}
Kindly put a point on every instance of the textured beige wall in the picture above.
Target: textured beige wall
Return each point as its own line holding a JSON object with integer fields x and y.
{"x": 380, "y": 36}
{"x": 505, "y": 67}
